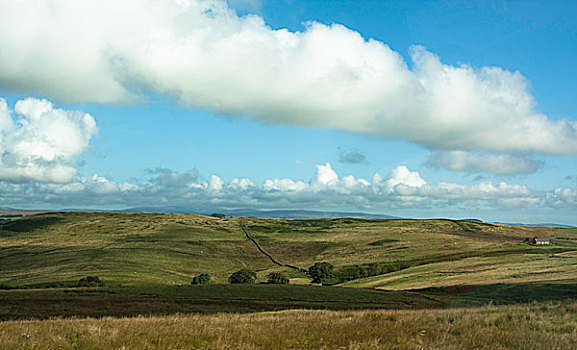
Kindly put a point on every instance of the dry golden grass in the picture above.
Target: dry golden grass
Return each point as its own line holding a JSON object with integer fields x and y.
{"x": 534, "y": 326}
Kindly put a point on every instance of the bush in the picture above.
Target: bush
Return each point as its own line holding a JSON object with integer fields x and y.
{"x": 243, "y": 276}
{"x": 277, "y": 278}
{"x": 321, "y": 271}
{"x": 90, "y": 281}
{"x": 203, "y": 278}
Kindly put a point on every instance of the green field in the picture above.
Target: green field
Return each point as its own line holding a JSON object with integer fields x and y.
{"x": 416, "y": 272}
{"x": 169, "y": 249}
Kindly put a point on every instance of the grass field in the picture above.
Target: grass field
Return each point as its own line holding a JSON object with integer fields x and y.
{"x": 509, "y": 268}
{"x": 400, "y": 284}
{"x": 168, "y": 249}
{"x": 536, "y": 326}
{"x": 162, "y": 300}
{"x": 214, "y": 298}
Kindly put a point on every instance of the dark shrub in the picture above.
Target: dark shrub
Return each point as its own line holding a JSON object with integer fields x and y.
{"x": 203, "y": 278}
{"x": 321, "y": 271}
{"x": 277, "y": 278}
{"x": 243, "y": 276}
{"x": 90, "y": 281}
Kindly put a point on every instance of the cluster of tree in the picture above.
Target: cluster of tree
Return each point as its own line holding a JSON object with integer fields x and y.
{"x": 349, "y": 273}
{"x": 53, "y": 285}
{"x": 242, "y": 276}
{"x": 321, "y": 271}
{"x": 90, "y": 281}
{"x": 203, "y": 278}
{"x": 277, "y": 278}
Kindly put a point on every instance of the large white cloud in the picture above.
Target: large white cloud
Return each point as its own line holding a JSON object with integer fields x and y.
{"x": 40, "y": 143}
{"x": 203, "y": 54}
{"x": 504, "y": 164}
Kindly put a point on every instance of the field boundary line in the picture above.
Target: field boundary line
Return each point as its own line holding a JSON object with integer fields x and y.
{"x": 271, "y": 258}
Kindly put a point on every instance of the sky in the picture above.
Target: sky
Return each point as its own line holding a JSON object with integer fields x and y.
{"x": 461, "y": 109}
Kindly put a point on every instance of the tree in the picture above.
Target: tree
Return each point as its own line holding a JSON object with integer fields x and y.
{"x": 203, "y": 278}
{"x": 242, "y": 276}
{"x": 53, "y": 285}
{"x": 90, "y": 281}
{"x": 321, "y": 271}
{"x": 277, "y": 278}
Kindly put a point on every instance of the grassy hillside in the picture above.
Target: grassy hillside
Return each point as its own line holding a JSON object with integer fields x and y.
{"x": 514, "y": 267}
{"x": 168, "y": 249}
{"x": 423, "y": 269}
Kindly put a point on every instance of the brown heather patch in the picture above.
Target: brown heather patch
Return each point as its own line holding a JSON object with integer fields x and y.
{"x": 532, "y": 326}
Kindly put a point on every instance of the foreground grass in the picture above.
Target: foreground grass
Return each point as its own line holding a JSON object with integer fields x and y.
{"x": 159, "y": 300}
{"x": 166, "y": 300}
{"x": 533, "y": 326}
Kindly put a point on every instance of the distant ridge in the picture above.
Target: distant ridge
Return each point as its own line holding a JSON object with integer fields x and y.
{"x": 19, "y": 212}
{"x": 267, "y": 214}
{"x": 549, "y": 225}
{"x": 306, "y": 214}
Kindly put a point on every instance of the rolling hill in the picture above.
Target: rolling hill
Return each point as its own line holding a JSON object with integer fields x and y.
{"x": 168, "y": 249}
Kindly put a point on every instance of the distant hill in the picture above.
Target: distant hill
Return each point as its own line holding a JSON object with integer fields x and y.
{"x": 8, "y": 213}
{"x": 295, "y": 214}
{"x": 265, "y": 214}
{"x": 551, "y": 225}
{"x": 305, "y": 214}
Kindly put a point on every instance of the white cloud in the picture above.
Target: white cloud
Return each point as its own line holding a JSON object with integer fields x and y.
{"x": 283, "y": 185}
{"x": 203, "y": 54}
{"x": 241, "y": 184}
{"x": 505, "y": 164}
{"x": 169, "y": 178}
{"x": 215, "y": 184}
{"x": 401, "y": 175}
{"x": 325, "y": 175}
{"x": 400, "y": 188}
{"x": 39, "y": 142}
{"x": 563, "y": 197}
{"x": 483, "y": 191}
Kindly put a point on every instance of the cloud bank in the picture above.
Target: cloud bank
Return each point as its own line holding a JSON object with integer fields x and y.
{"x": 327, "y": 76}
{"x": 39, "y": 142}
{"x": 401, "y": 188}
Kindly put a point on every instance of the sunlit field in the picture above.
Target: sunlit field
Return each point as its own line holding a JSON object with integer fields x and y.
{"x": 534, "y": 326}
{"x": 397, "y": 284}
{"x": 168, "y": 249}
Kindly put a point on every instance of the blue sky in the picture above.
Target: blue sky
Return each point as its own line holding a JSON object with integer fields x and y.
{"x": 462, "y": 109}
